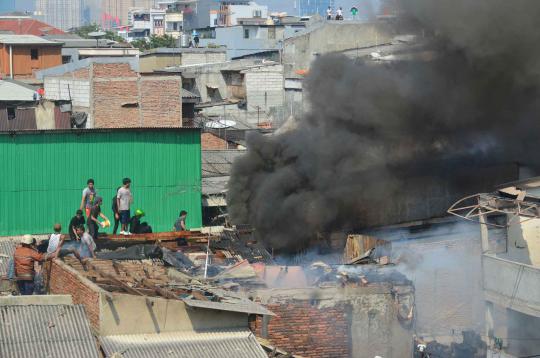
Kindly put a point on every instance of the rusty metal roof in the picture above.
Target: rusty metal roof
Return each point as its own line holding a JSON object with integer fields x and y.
{"x": 46, "y": 331}
{"x": 223, "y": 344}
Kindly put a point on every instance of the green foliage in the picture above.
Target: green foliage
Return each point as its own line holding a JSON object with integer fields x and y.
{"x": 83, "y": 32}
{"x": 154, "y": 42}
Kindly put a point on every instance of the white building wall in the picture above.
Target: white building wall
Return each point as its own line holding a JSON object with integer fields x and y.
{"x": 246, "y": 11}
{"x": 200, "y": 58}
{"x": 264, "y": 87}
{"x": 62, "y": 88}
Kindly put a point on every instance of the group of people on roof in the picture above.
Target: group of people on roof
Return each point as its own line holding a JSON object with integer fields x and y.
{"x": 24, "y": 268}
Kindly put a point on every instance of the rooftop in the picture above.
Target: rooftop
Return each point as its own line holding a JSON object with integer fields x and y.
{"x": 46, "y": 331}
{"x": 28, "y": 26}
{"x": 225, "y": 344}
{"x": 179, "y": 50}
{"x": 16, "y": 91}
{"x": 26, "y": 40}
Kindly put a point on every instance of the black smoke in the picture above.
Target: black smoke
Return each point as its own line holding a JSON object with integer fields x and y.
{"x": 475, "y": 101}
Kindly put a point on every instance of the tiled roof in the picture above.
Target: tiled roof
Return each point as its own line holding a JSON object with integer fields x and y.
{"x": 228, "y": 344}
{"x": 28, "y": 27}
{"x": 46, "y": 331}
{"x": 216, "y": 163}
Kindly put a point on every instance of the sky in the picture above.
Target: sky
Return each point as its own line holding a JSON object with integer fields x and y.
{"x": 290, "y": 6}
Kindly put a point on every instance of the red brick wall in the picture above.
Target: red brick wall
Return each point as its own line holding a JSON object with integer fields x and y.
{"x": 210, "y": 141}
{"x": 110, "y": 70}
{"x": 81, "y": 73}
{"x": 161, "y": 101}
{"x": 113, "y": 102}
{"x": 64, "y": 281}
{"x": 304, "y": 329}
{"x": 121, "y": 98}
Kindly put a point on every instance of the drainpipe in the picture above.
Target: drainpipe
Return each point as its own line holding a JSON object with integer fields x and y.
{"x": 11, "y": 61}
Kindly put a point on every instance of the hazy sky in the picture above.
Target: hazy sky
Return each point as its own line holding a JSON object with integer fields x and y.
{"x": 291, "y": 7}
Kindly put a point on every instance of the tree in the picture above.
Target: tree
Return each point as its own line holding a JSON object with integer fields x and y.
{"x": 154, "y": 42}
{"x": 83, "y": 32}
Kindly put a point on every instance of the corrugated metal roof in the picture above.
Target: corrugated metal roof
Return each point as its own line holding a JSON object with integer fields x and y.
{"x": 11, "y": 91}
{"x": 7, "y": 247}
{"x": 172, "y": 184}
{"x": 218, "y": 163}
{"x": 26, "y": 40}
{"x": 233, "y": 344}
{"x": 215, "y": 185}
{"x": 244, "y": 306}
{"x": 46, "y": 331}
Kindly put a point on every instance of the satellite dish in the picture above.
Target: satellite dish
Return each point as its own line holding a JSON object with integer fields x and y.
{"x": 96, "y": 34}
{"x": 220, "y": 124}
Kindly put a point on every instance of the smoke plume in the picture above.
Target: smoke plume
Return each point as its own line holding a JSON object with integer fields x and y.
{"x": 370, "y": 127}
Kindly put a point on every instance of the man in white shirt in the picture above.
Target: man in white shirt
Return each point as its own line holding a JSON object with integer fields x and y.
{"x": 329, "y": 13}
{"x": 56, "y": 239}
{"x": 124, "y": 199}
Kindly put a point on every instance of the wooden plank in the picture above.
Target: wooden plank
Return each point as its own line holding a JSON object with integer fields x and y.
{"x": 115, "y": 280}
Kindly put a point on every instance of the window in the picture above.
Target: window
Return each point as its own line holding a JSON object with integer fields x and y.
{"x": 175, "y": 26}
{"x": 257, "y": 13}
{"x": 11, "y": 113}
{"x": 34, "y": 54}
{"x": 246, "y": 33}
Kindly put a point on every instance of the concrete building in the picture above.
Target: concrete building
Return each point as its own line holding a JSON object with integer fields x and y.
{"x": 230, "y": 12}
{"x": 64, "y": 14}
{"x": 152, "y": 21}
{"x": 115, "y": 13}
{"x": 247, "y": 92}
{"x": 112, "y": 93}
{"x": 510, "y": 257}
{"x": 143, "y": 23}
{"x": 22, "y": 55}
{"x": 191, "y": 13}
{"x": 75, "y": 48}
{"x": 174, "y": 23}
{"x": 160, "y": 58}
{"x": 249, "y": 38}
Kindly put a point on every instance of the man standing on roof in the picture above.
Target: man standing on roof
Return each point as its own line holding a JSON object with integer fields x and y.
{"x": 329, "y": 13}
{"x": 87, "y": 246}
{"x": 339, "y": 14}
{"x": 24, "y": 258}
{"x": 180, "y": 223}
{"x": 88, "y": 195}
{"x": 124, "y": 198}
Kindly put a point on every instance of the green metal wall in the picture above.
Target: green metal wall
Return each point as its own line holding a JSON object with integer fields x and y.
{"x": 43, "y": 175}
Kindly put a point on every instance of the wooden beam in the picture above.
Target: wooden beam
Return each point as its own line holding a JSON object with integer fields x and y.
{"x": 115, "y": 280}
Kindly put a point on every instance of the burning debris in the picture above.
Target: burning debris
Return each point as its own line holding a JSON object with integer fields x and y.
{"x": 372, "y": 129}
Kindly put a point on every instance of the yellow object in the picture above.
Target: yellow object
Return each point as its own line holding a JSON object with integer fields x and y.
{"x": 106, "y": 223}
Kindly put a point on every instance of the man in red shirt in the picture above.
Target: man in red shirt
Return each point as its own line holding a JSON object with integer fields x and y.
{"x": 24, "y": 257}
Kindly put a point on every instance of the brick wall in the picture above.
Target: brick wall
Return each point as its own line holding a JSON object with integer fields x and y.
{"x": 307, "y": 330}
{"x": 115, "y": 103}
{"x": 65, "y": 280}
{"x": 161, "y": 101}
{"x": 122, "y": 98}
{"x": 211, "y": 141}
{"x": 111, "y": 70}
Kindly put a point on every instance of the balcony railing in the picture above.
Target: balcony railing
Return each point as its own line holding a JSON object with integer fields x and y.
{"x": 512, "y": 284}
